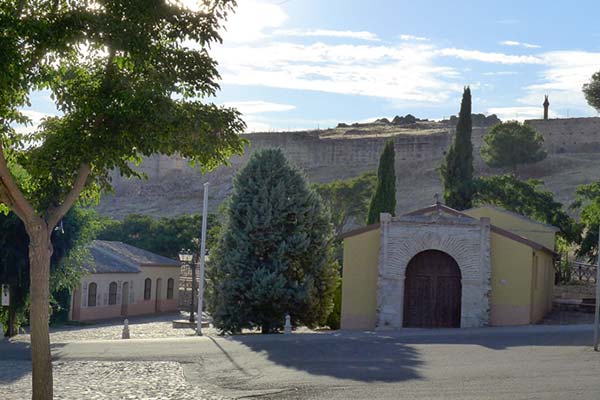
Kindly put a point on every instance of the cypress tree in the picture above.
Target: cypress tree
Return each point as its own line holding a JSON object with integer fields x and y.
{"x": 457, "y": 169}
{"x": 384, "y": 199}
{"x": 274, "y": 256}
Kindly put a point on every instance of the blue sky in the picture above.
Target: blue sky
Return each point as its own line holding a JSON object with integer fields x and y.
{"x": 301, "y": 64}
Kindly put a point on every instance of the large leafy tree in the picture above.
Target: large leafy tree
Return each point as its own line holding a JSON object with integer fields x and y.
{"x": 591, "y": 90}
{"x": 164, "y": 236}
{"x": 348, "y": 200}
{"x": 69, "y": 241}
{"x": 126, "y": 86}
{"x": 384, "y": 198}
{"x": 457, "y": 168}
{"x": 587, "y": 200}
{"x": 275, "y": 255}
{"x": 512, "y": 143}
{"x": 527, "y": 198}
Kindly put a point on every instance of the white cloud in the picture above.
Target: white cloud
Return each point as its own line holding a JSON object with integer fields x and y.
{"x": 489, "y": 57}
{"x": 562, "y": 79}
{"x": 250, "y": 21}
{"x": 404, "y": 72}
{"x": 361, "y": 35}
{"x": 519, "y": 113}
{"x": 520, "y": 44}
{"x": 413, "y": 38}
{"x": 500, "y": 73}
{"x": 35, "y": 117}
{"x": 258, "y": 106}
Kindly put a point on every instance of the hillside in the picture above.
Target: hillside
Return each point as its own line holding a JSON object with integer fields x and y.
{"x": 173, "y": 188}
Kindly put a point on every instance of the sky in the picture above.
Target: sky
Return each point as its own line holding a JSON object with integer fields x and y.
{"x": 306, "y": 64}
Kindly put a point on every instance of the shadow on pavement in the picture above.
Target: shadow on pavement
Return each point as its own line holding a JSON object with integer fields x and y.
{"x": 361, "y": 360}
{"x": 393, "y": 356}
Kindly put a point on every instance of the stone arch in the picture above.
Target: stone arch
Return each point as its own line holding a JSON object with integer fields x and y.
{"x": 465, "y": 240}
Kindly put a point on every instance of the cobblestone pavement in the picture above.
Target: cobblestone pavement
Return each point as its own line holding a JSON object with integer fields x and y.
{"x": 95, "y": 380}
{"x": 156, "y": 326}
{"x": 143, "y": 327}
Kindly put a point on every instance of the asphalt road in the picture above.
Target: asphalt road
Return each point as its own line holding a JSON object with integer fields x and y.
{"x": 542, "y": 362}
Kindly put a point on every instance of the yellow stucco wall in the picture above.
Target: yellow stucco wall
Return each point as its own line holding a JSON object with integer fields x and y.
{"x": 511, "y": 281}
{"x": 539, "y": 233}
{"x": 542, "y": 285}
{"x": 359, "y": 280}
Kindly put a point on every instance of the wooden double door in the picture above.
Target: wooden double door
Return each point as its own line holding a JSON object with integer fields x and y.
{"x": 432, "y": 291}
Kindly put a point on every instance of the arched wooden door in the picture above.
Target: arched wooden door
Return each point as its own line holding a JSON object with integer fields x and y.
{"x": 432, "y": 291}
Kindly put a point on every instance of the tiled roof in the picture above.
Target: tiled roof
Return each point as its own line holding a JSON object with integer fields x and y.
{"x": 117, "y": 257}
{"x": 443, "y": 208}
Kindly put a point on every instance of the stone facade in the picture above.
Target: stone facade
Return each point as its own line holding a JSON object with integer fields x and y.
{"x": 464, "y": 239}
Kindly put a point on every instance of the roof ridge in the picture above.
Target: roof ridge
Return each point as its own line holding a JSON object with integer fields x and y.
{"x": 516, "y": 214}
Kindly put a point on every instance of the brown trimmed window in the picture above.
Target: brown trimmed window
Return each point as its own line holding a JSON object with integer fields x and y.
{"x": 170, "y": 285}
{"x": 147, "y": 289}
{"x": 112, "y": 294}
{"x": 92, "y": 289}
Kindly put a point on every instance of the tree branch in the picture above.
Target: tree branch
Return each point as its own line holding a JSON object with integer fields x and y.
{"x": 56, "y": 214}
{"x": 12, "y": 195}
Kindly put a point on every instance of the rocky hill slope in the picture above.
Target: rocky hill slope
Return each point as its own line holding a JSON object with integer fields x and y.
{"x": 173, "y": 188}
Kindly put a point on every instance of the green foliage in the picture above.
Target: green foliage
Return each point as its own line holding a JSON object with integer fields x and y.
{"x": 456, "y": 170}
{"x": 529, "y": 199}
{"x": 511, "y": 143}
{"x": 70, "y": 241}
{"x": 384, "y": 199}
{"x": 587, "y": 199}
{"x": 274, "y": 255}
{"x": 164, "y": 236}
{"x": 124, "y": 83}
{"x": 335, "y": 317}
{"x": 347, "y": 200}
{"x": 591, "y": 90}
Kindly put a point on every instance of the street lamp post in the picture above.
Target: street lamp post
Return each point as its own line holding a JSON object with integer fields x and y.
{"x": 186, "y": 257}
{"x": 202, "y": 259}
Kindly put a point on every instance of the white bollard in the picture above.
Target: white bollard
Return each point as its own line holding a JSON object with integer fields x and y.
{"x": 287, "y": 328}
{"x": 125, "y": 334}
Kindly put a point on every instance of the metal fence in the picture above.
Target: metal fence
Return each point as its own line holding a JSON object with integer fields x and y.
{"x": 583, "y": 272}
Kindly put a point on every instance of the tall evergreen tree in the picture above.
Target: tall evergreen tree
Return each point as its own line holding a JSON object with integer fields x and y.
{"x": 457, "y": 169}
{"x": 384, "y": 199}
{"x": 275, "y": 254}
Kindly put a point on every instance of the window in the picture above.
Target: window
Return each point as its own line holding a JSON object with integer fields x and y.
{"x": 170, "y": 284}
{"x": 92, "y": 288}
{"x": 147, "y": 289}
{"x": 112, "y": 293}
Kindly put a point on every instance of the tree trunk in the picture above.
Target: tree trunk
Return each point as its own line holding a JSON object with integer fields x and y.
{"x": 12, "y": 314}
{"x": 40, "y": 251}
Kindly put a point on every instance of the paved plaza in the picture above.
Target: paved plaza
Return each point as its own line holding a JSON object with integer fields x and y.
{"x": 532, "y": 362}
{"x": 106, "y": 380}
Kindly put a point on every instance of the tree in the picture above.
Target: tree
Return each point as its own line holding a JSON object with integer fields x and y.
{"x": 384, "y": 199}
{"x": 274, "y": 256}
{"x": 510, "y": 144}
{"x": 164, "y": 236}
{"x": 587, "y": 200}
{"x": 456, "y": 170}
{"x": 347, "y": 200}
{"x": 591, "y": 90}
{"x": 127, "y": 85}
{"x": 70, "y": 242}
{"x": 529, "y": 199}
